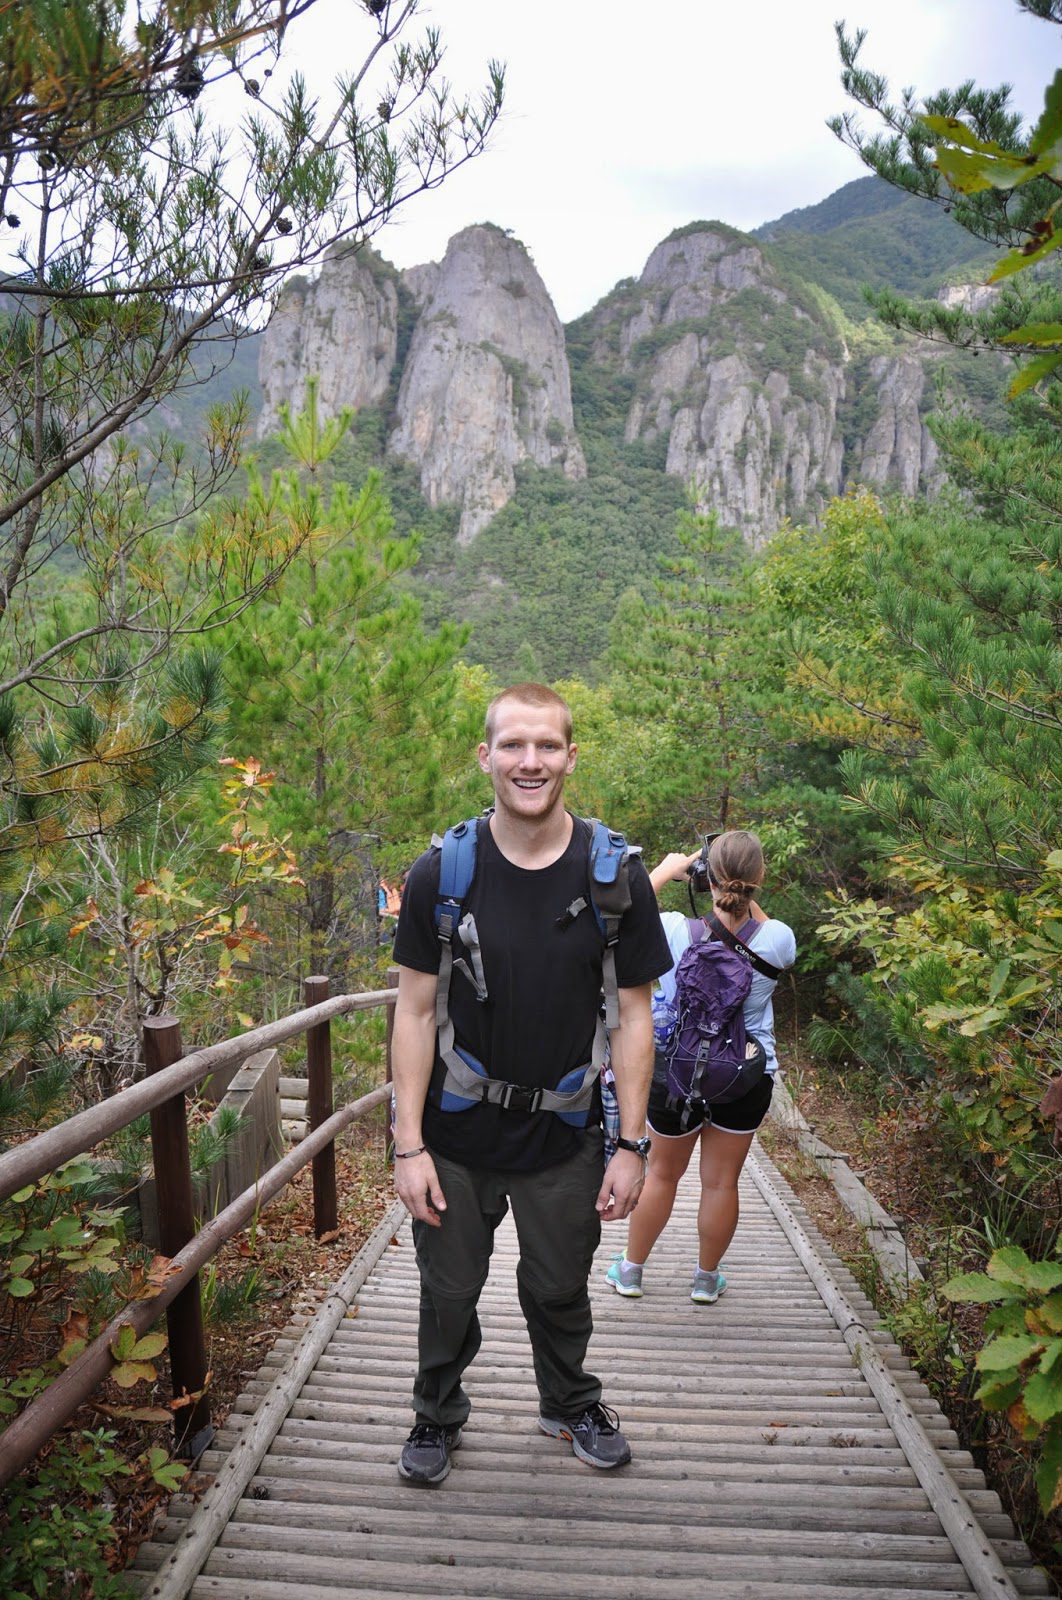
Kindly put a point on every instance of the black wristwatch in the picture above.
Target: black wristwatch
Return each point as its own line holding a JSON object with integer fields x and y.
{"x": 641, "y": 1147}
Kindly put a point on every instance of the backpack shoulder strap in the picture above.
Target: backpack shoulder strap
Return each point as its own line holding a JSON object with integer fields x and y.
{"x": 610, "y": 896}
{"x": 731, "y": 939}
{"x": 457, "y": 868}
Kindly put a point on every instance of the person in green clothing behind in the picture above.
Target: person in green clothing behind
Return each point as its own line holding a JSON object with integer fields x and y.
{"x": 459, "y": 1171}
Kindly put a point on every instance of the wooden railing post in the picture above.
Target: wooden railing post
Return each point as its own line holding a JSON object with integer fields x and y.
{"x": 319, "y": 1109}
{"x": 392, "y": 983}
{"x": 173, "y": 1190}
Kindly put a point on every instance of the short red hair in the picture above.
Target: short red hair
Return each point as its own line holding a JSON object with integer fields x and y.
{"x": 529, "y": 694}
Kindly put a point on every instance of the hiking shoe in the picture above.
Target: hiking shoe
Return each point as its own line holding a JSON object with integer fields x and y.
{"x": 594, "y": 1436}
{"x": 625, "y": 1278}
{"x": 425, "y": 1455}
{"x": 707, "y": 1287}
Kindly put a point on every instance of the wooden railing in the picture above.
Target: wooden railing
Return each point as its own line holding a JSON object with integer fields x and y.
{"x": 170, "y": 1074}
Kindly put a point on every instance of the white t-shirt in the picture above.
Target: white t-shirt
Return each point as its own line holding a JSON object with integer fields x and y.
{"x": 774, "y": 941}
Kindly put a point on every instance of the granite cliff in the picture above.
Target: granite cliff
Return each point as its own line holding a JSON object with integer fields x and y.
{"x": 341, "y": 328}
{"x": 728, "y": 363}
{"x": 486, "y": 382}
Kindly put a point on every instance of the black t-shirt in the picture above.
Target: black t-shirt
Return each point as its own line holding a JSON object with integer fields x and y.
{"x": 543, "y": 986}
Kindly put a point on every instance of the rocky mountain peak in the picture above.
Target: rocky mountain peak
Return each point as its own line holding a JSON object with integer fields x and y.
{"x": 486, "y": 382}
{"x": 341, "y": 327}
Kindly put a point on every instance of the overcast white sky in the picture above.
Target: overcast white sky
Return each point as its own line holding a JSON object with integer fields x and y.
{"x": 626, "y": 120}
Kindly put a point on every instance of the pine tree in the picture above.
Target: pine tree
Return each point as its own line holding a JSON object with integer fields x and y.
{"x": 336, "y": 682}
{"x": 680, "y": 667}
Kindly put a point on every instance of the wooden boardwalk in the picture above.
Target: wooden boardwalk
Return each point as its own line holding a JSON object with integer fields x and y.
{"x": 764, "y": 1463}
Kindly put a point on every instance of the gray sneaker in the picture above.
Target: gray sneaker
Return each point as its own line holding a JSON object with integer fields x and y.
{"x": 625, "y": 1278}
{"x": 425, "y": 1455}
{"x": 707, "y": 1287}
{"x": 594, "y": 1436}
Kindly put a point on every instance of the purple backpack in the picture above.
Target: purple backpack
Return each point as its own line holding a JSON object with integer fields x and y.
{"x": 710, "y": 1058}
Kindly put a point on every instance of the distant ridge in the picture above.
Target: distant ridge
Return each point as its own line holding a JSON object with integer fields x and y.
{"x": 871, "y": 233}
{"x": 863, "y": 197}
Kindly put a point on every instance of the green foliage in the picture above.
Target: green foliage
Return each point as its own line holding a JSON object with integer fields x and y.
{"x": 965, "y": 150}
{"x": 340, "y": 648}
{"x": 679, "y": 667}
{"x": 974, "y": 605}
{"x": 903, "y": 249}
{"x": 48, "y": 1230}
{"x": 234, "y": 1299}
{"x": 907, "y": 153}
{"x": 58, "y": 1525}
{"x": 60, "y": 1249}
{"x": 1021, "y": 1361}
{"x": 553, "y": 564}
{"x": 974, "y": 977}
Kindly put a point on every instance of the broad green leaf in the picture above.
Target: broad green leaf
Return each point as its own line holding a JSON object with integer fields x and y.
{"x": 939, "y": 1013}
{"x": 1018, "y": 260}
{"x": 975, "y": 1288}
{"x": 1034, "y": 333}
{"x": 79, "y": 1170}
{"x": 128, "y": 1373}
{"x": 150, "y": 1346}
{"x": 1006, "y": 1352}
{"x": 170, "y": 1475}
{"x": 998, "y": 979}
{"x": 1050, "y": 1313}
{"x": 94, "y": 1263}
{"x": 980, "y": 1020}
{"x": 1010, "y": 1264}
{"x": 70, "y": 1351}
{"x": 1049, "y": 1472}
{"x": 1044, "y": 1275}
{"x": 973, "y": 173}
{"x": 21, "y": 1196}
{"x": 19, "y": 1288}
{"x": 957, "y": 133}
{"x": 1051, "y": 1357}
{"x": 998, "y": 1395}
{"x": 124, "y": 1341}
{"x": 37, "y": 1239}
{"x": 1047, "y": 135}
{"x": 970, "y": 174}
{"x": 1033, "y": 373}
{"x": 1011, "y": 1316}
{"x": 1029, "y": 986}
{"x": 1043, "y": 1396}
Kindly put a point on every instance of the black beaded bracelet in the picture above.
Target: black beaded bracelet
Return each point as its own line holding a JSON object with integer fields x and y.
{"x": 403, "y": 1155}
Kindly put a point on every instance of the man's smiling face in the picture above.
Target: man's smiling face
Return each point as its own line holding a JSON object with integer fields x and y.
{"x": 528, "y": 759}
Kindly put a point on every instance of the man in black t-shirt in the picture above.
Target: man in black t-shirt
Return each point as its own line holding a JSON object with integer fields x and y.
{"x": 458, "y": 1171}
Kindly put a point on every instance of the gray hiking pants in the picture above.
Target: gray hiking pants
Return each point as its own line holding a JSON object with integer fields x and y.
{"x": 558, "y": 1231}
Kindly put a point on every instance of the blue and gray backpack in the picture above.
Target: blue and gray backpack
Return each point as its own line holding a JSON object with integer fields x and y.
{"x": 608, "y": 895}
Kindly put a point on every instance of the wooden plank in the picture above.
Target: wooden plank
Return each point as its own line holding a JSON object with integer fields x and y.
{"x": 757, "y": 1440}
{"x": 551, "y": 1575}
{"x": 369, "y": 1588}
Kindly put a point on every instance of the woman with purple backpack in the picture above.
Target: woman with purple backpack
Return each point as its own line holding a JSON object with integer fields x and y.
{"x": 731, "y": 866}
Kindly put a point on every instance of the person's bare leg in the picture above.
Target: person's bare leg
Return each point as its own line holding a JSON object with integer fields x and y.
{"x": 668, "y": 1160}
{"x": 722, "y": 1158}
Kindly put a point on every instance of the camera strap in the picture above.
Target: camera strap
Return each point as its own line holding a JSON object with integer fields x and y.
{"x": 735, "y": 943}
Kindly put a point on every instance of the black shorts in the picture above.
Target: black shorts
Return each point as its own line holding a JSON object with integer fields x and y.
{"x": 736, "y": 1116}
